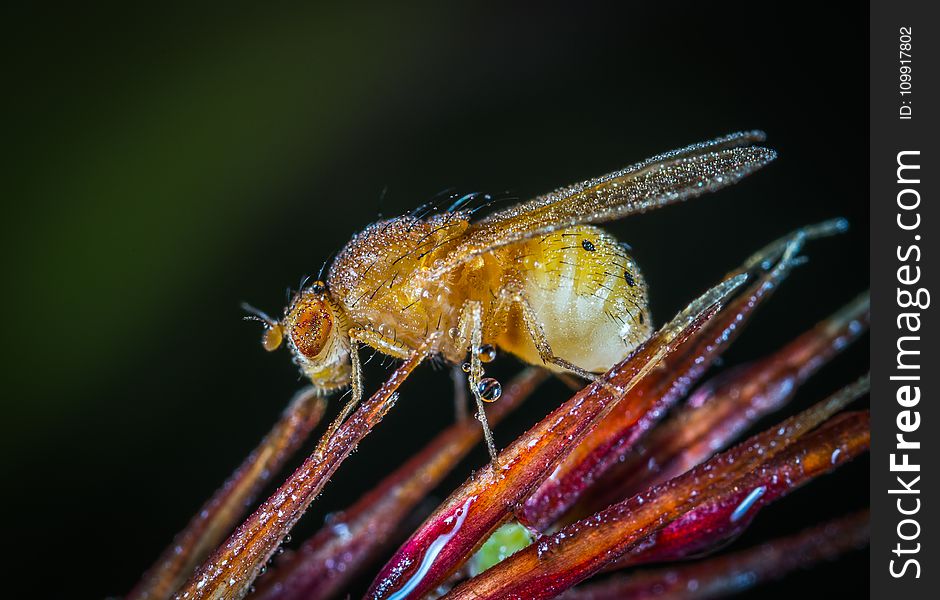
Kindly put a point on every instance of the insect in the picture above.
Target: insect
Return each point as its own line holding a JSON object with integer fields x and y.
{"x": 536, "y": 280}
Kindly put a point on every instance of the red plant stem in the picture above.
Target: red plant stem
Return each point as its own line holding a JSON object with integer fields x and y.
{"x": 485, "y": 501}
{"x": 219, "y": 515}
{"x": 733, "y": 573}
{"x": 612, "y": 439}
{"x": 724, "y": 517}
{"x": 724, "y": 407}
{"x": 557, "y": 562}
{"x": 325, "y": 563}
{"x": 232, "y": 568}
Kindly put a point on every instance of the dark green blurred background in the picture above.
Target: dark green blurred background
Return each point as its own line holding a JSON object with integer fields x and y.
{"x": 167, "y": 164}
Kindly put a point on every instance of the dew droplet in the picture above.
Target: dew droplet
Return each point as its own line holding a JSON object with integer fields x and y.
{"x": 465, "y": 367}
{"x": 490, "y": 389}
{"x": 749, "y": 501}
{"x": 834, "y": 457}
{"x": 487, "y": 353}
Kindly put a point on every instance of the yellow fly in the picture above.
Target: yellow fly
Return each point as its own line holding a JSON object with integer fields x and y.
{"x": 535, "y": 280}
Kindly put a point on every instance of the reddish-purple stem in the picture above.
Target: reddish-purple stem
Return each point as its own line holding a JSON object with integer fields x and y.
{"x": 721, "y": 409}
{"x": 557, "y": 562}
{"x": 219, "y": 515}
{"x": 733, "y": 573}
{"x": 728, "y": 514}
{"x": 611, "y": 440}
{"x": 485, "y": 501}
{"x": 325, "y": 563}
{"x": 232, "y": 568}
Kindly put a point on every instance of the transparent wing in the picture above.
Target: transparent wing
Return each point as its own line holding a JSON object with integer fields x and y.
{"x": 653, "y": 183}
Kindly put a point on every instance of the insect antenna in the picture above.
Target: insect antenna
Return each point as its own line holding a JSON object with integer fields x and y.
{"x": 256, "y": 314}
{"x": 273, "y": 332}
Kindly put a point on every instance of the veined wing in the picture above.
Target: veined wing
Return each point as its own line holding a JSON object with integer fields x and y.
{"x": 653, "y": 183}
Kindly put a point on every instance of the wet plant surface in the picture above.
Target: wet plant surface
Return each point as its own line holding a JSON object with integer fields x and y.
{"x": 650, "y": 465}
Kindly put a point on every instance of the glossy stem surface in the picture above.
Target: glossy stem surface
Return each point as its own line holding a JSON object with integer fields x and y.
{"x": 328, "y": 561}
{"x": 559, "y": 561}
{"x": 736, "y": 572}
{"x": 231, "y": 570}
{"x": 724, "y": 407}
{"x": 464, "y": 521}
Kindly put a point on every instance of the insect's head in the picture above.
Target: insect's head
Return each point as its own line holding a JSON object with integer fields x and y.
{"x": 314, "y": 329}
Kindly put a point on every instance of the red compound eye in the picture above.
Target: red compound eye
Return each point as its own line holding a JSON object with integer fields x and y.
{"x": 311, "y": 328}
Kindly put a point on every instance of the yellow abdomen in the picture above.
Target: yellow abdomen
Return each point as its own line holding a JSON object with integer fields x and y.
{"x": 587, "y": 294}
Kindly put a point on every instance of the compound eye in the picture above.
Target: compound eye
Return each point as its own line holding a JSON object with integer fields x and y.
{"x": 310, "y": 331}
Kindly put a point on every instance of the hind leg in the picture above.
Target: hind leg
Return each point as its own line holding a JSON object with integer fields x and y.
{"x": 510, "y": 296}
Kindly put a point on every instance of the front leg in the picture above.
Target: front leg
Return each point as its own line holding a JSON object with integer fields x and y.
{"x": 470, "y": 329}
{"x": 375, "y": 340}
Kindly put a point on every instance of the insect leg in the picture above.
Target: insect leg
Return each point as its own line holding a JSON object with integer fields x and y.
{"x": 356, "y": 378}
{"x": 369, "y": 338}
{"x": 545, "y": 349}
{"x": 541, "y": 342}
{"x": 382, "y": 343}
{"x": 470, "y": 326}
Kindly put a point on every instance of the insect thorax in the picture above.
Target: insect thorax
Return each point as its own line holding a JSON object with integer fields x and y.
{"x": 380, "y": 277}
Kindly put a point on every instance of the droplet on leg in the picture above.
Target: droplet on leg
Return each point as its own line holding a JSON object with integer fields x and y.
{"x": 490, "y": 389}
{"x": 487, "y": 353}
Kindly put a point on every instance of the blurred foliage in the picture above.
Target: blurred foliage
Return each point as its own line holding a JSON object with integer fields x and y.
{"x": 148, "y": 165}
